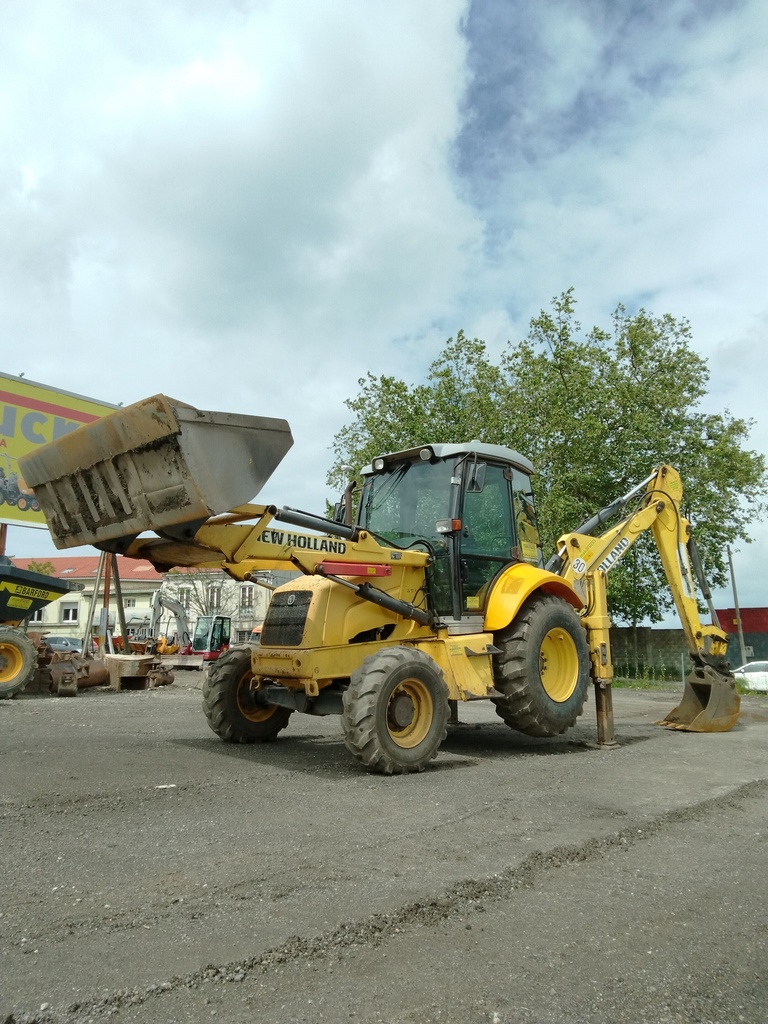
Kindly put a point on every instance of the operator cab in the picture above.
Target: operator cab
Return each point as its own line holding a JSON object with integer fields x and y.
{"x": 469, "y": 505}
{"x": 211, "y": 637}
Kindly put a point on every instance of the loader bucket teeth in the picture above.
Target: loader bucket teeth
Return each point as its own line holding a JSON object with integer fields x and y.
{"x": 710, "y": 703}
{"x": 151, "y": 466}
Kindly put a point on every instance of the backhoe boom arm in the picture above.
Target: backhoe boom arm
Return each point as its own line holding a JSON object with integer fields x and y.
{"x": 585, "y": 561}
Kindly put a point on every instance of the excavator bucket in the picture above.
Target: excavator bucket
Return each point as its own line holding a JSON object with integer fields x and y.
{"x": 710, "y": 703}
{"x": 155, "y": 465}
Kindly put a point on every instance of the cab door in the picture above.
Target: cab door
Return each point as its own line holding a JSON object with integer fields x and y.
{"x": 487, "y": 540}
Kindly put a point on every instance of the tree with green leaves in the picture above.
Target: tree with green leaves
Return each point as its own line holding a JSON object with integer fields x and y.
{"x": 46, "y": 568}
{"x": 595, "y": 411}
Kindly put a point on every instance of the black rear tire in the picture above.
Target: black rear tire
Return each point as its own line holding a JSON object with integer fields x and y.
{"x": 229, "y": 704}
{"x": 395, "y": 711}
{"x": 18, "y": 661}
{"x": 543, "y": 668}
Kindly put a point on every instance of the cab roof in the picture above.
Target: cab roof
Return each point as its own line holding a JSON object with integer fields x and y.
{"x": 497, "y": 452}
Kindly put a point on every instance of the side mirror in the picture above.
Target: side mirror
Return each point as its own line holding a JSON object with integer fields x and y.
{"x": 476, "y": 477}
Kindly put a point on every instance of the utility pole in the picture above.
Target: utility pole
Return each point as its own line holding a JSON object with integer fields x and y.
{"x": 742, "y": 648}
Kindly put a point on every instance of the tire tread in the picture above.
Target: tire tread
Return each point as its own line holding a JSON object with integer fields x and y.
{"x": 361, "y": 700}
{"x": 219, "y": 703}
{"x": 18, "y": 639}
{"x": 524, "y": 706}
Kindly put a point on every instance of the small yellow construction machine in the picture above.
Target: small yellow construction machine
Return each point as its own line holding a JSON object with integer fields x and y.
{"x": 22, "y": 593}
{"x": 209, "y": 640}
{"x": 436, "y": 594}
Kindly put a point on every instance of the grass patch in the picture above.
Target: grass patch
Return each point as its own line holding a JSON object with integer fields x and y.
{"x": 628, "y": 683}
{"x": 624, "y": 683}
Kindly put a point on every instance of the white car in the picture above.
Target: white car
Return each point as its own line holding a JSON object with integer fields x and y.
{"x": 63, "y": 643}
{"x": 753, "y": 675}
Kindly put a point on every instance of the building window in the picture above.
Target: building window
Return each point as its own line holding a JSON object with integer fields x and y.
{"x": 69, "y": 613}
{"x": 185, "y": 597}
{"x": 246, "y": 598}
{"x": 130, "y": 602}
{"x": 214, "y": 596}
{"x": 36, "y": 616}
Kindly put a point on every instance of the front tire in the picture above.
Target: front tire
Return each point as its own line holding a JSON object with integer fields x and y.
{"x": 395, "y": 711}
{"x": 18, "y": 661}
{"x": 229, "y": 701}
{"x": 543, "y": 667}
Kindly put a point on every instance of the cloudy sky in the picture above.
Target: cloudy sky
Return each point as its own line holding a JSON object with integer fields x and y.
{"x": 249, "y": 204}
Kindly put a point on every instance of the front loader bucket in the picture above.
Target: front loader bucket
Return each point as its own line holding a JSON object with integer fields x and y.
{"x": 710, "y": 703}
{"x": 151, "y": 466}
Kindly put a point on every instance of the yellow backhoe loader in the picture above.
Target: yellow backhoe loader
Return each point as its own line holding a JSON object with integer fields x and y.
{"x": 436, "y": 594}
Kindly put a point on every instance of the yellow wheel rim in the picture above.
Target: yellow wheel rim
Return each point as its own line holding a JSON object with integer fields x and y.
{"x": 10, "y": 662}
{"x": 246, "y": 691}
{"x": 409, "y": 713}
{"x": 559, "y": 665}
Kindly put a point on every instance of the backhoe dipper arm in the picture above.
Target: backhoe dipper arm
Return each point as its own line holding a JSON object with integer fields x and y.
{"x": 585, "y": 562}
{"x": 159, "y": 602}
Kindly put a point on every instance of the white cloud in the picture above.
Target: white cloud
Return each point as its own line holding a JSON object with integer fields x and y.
{"x": 250, "y": 177}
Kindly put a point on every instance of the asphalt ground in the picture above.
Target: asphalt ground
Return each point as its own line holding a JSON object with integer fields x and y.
{"x": 151, "y": 872}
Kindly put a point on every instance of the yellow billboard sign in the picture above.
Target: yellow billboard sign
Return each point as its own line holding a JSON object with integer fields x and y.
{"x": 32, "y": 414}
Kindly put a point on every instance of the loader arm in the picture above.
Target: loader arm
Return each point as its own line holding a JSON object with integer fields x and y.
{"x": 710, "y": 702}
{"x": 158, "y": 466}
{"x": 244, "y": 541}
